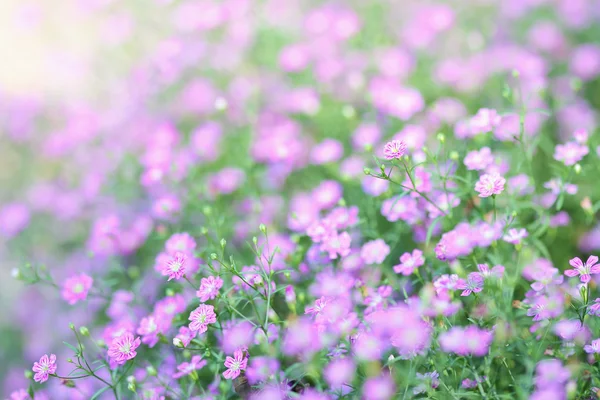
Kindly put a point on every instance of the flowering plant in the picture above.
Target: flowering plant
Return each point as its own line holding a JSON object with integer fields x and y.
{"x": 273, "y": 203}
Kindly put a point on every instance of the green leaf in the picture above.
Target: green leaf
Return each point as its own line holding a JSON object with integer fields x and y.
{"x": 560, "y": 201}
{"x": 430, "y": 230}
{"x": 70, "y": 346}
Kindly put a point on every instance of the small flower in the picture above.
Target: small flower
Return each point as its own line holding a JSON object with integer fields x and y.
{"x": 337, "y": 244}
{"x": 594, "y": 309}
{"x": 514, "y": 236}
{"x": 489, "y": 185}
{"x": 473, "y": 284}
{"x": 320, "y": 304}
{"x": 188, "y": 368}
{"x": 20, "y": 394}
{"x": 201, "y": 317}
{"x": 570, "y": 153}
{"x": 175, "y": 267}
{"x": 484, "y": 121}
{"x": 495, "y": 272}
{"x": 584, "y": 270}
{"x": 45, "y": 367}
{"x": 375, "y": 251}
{"x": 235, "y": 365}
{"x": 209, "y": 288}
{"x": 123, "y": 348}
{"x": 394, "y": 149}
{"x": 76, "y": 288}
{"x": 409, "y": 262}
{"x": 593, "y": 348}
{"x": 479, "y": 160}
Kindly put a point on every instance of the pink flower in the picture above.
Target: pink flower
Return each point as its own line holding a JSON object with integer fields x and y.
{"x": 375, "y": 251}
{"x": 209, "y": 288}
{"x": 394, "y": 149}
{"x": 188, "y": 368}
{"x": 20, "y": 394}
{"x": 123, "y": 348}
{"x": 479, "y": 159}
{"x": 570, "y": 153}
{"x": 515, "y": 236}
{"x": 201, "y": 317}
{"x": 495, "y": 272}
{"x": 318, "y": 308}
{"x": 489, "y": 185}
{"x": 175, "y": 267}
{"x": 184, "y": 336}
{"x": 44, "y": 368}
{"x": 484, "y": 121}
{"x": 473, "y": 284}
{"x": 593, "y": 348}
{"x": 337, "y": 244}
{"x": 466, "y": 341}
{"x": 149, "y": 328}
{"x": 76, "y": 288}
{"x": 584, "y": 270}
{"x": 235, "y": 365}
{"x": 409, "y": 262}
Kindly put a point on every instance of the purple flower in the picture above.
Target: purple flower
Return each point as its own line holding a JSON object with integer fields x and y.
{"x": 394, "y": 150}
{"x": 484, "y": 121}
{"x": 76, "y": 288}
{"x": 188, "y": 368}
{"x": 570, "y": 153}
{"x": 514, "y": 236}
{"x": 495, "y": 272}
{"x": 593, "y": 348}
{"x": 584, "y": 270}
{"x": 235, "y": 365}
{"x": 489, "y": 185}
{"x": 473, "y": 284}
{"x": 175, "y": 267}
{"x": 209, "y": 288}
{"x": 337, "y": 244}
{"x": 123, "y": 348}
{"x": 43, "y": 368}
{"x": 551, "y": 373}
{"x": 375, "y": 251}
{"x": 409, "y": 262}
{"x": 201, "y": 317}
{"x": 479, "y": 160}
{"x": 466, "y": 341}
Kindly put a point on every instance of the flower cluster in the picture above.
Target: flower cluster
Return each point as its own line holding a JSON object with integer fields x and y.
{"x": 313, "y": 200}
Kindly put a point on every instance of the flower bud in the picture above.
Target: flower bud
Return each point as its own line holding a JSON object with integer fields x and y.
{"x": 68, "y": 383}
{"x": 177, "y": 342}
{"x": 72, "y": 326}
{"x": 454, "y": 155}
{"x": 367, "y": 171}
{"x": 262, "y": 228}
{"x": 131, "y": 386}
{"x": 213, "y": 256}
{"x": 15, "y": 273}
{"x": 84, "y": 331}
{"x": 206, "y": 210}
{"x": 150, "y": 370}
{"x": 28, "y": 374}
{"x": 441, "y": 137}
{"x": 577, "y": 168}
{"x": 223, "y": 243}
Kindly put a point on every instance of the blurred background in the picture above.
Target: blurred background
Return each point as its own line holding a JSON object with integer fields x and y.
{"x": 84, "y": 84}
